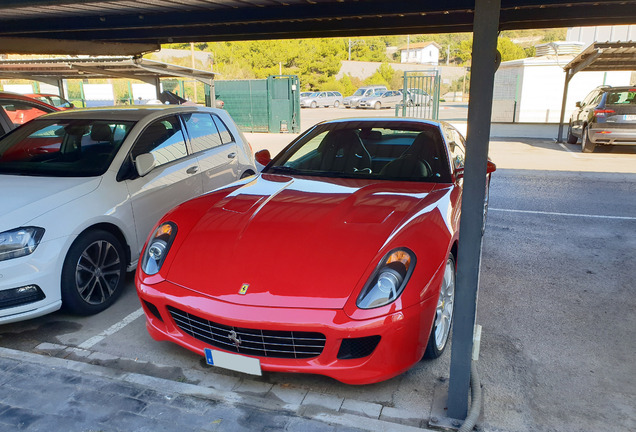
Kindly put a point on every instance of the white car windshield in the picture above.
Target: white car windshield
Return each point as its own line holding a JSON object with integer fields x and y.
{"x": 62, "y": 148}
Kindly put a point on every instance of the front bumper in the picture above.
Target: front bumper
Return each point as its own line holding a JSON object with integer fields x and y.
{"x": 403, "y": 334}
{"x": 42, "y": 268}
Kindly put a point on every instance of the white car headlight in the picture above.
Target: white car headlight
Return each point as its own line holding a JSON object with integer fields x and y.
{"x": 19, "y": 242}
{"x": 158, "y": 247}
{"x": 388, "y": 281}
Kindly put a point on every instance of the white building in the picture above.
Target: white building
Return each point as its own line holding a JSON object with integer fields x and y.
{"x": 531, "y": 90}
{"x": 421, "y": 53}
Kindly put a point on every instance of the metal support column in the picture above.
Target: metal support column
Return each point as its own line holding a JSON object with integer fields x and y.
{"x": 568, "y": 77}
{"x": 60, "y": 88}
{"x": 158, "y": 87}
{"x": 485, "y": 28}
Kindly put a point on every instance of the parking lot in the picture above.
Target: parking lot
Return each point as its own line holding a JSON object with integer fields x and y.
{"x": 556, "y": 303}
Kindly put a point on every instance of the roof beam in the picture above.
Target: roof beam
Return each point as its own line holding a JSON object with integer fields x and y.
{"x": 150, "y": 79}
{"x": 24, "y": 45}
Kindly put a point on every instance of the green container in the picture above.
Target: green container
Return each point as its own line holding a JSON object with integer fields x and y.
{"x": 268, "y": 105}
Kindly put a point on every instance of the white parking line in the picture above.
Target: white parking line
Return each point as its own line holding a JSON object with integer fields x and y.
{"x": 563, "y": 214}
{"x": 575, "y": 155}
{"x": 89, "y": 343}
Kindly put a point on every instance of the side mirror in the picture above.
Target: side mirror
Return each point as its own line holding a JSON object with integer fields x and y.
{"x": 491, "y": 167}
{"x": 144, "y": 163}
{"x": 263, "y": 157}
{"x": 578, "y": 104}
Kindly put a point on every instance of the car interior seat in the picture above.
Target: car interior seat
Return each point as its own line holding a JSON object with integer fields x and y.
{"x": 415, "y": 162}
{"x": 342, "y": 150}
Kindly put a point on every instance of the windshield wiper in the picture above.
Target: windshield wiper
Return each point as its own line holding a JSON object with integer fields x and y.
{"x": 284, "y": 169}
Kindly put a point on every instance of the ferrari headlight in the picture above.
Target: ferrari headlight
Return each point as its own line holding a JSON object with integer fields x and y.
{"x": 19, "y": 242}
{"x": 389, "y": 279}
{"x": 158, "y": 247}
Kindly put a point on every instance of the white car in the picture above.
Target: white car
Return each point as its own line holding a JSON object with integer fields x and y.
{"x": 324, "y": 99}
{"x": 82, "y": 189}
{"x": 382, "y": 99}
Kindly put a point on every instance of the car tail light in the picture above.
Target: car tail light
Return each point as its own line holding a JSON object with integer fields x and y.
{"x": 602, "y": 112}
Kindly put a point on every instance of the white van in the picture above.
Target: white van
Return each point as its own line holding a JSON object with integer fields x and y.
{"x": 366, "y": 91}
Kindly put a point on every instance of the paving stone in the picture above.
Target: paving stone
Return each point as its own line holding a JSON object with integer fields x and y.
{"x": 404, "y": 417}
{"x": 19, "y": 418}
{"x": 330, "y": 402}
{"x": 253, "y": 387}
{"x": 367, "y": 409}
{"x": 288, "y": 395}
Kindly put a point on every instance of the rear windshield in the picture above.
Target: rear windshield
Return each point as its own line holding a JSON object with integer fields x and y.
{"x": 624, "y": 97}
{"x": 62, "y": 148}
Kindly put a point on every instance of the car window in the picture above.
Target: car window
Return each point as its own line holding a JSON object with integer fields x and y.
{"x": 62, "y": 148}
{"x": 625, "y": 97}
{"x": 202, "y": 131}
{"x": 164, "y": 139}
{"x": 226, "y": 135}
{"x": 369, "y": 150}
{"x": 456, "y": 147}
{"x": 20, "y": 112}
{"x": 590, "y": 97}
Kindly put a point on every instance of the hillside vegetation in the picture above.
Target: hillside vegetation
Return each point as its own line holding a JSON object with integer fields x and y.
{"x": 317, "y": 61}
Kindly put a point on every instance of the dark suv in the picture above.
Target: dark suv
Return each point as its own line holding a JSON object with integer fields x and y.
{"x": 607, "y": 116}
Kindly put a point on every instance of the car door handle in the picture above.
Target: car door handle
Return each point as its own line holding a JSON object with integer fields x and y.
{"x": 192, "y": 170}
{"x": 231, "y": 155}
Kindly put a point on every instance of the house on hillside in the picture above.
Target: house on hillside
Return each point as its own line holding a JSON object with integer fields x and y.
{"x": 421, "y": 53}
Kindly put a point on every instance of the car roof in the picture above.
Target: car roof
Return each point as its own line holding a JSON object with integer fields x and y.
{"x": 387, "y": 120}
{"x": 618, "y": 88}
{"x": 129, "y": 112}
{"x": 18, "y": 96}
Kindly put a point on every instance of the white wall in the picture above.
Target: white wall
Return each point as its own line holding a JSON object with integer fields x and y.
{"x": 542, "y": 91}
{"x": 537, "y": 87}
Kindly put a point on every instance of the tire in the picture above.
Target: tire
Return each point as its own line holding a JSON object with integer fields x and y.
{"x": 440, "y": 332}
{"x": 313, "y": 104}
{"x": 587, "y": 146}
{"x": 336, "y": 104}
{"x": 572, "y": 139}
{"x": 94, "y": 273}
{"x": 377, "y": 106}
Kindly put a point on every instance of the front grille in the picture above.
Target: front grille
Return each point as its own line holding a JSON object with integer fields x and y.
{"x": 254, "y": 342}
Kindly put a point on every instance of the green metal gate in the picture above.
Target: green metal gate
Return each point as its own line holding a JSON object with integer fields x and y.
{"x": 266, "y": 105}
{"x": 421, "y": 95}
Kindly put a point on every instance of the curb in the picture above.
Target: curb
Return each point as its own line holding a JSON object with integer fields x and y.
{"x": 311, "y": 405}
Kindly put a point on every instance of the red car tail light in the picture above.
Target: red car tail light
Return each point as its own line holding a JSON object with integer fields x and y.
{"x": 602, "y": 112}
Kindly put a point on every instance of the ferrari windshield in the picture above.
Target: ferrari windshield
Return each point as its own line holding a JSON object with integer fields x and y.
{"x": 62, "y": 148}
{"x": 374, "y": 150}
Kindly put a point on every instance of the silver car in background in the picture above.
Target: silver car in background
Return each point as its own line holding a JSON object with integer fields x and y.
{"x": 324, "y": 99}
{"x": 382, "y": 99}
{"x": 353, "y": 100}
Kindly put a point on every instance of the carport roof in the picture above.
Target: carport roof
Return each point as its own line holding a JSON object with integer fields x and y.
{"x": 605, "y": 56}
{"x": 52, "y": 70}
{"x": 125, "y": 27}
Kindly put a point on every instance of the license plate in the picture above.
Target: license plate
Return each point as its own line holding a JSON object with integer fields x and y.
{"x": 630, "y": 117}
{"x": 235, "y": 362}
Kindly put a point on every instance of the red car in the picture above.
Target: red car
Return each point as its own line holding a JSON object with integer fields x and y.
{"x": 17, "y": 109}
{"x": 52, "y": 99}
{"x": 338, "y": 259}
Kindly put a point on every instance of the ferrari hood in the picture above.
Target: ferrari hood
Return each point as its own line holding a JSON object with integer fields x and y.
{"x": 291, "y": 242}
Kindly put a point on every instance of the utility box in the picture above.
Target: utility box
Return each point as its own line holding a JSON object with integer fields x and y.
{"x": 267, "y": 105}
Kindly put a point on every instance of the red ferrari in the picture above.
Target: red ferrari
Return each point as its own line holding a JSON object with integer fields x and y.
{"x": 338, "y": 259}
